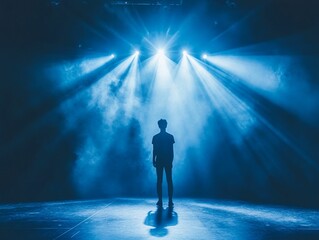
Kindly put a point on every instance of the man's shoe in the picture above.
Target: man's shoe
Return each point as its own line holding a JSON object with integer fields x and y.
{"x": 171, "y": 205}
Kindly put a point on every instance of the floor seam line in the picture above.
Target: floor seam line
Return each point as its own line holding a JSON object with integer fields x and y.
{"x": 83, "y": 221}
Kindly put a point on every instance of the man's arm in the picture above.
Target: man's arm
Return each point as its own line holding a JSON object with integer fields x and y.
{"x": 154, "y": 157}
{"x": 173, "y": 141}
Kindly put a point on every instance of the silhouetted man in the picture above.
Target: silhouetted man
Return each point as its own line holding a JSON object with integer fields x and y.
{"x": 163, "y": 155}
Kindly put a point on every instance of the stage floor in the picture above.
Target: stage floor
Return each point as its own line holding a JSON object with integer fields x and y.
{"x": 126, "y": 218}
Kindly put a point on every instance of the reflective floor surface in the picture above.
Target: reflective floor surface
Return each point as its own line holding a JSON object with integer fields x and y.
{"x": 126, "y": 218}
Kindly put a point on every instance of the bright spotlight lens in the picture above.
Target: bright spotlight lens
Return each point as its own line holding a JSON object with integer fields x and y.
{"x": 160, "y": 52}
{"x": 204, "y": 56}
{"x": 113, "y": 56}
{"x": 184, "y": 52}
{"x": 137, "y": 52}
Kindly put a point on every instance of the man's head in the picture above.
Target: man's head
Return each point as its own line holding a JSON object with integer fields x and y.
{"x": 162, "y": 124}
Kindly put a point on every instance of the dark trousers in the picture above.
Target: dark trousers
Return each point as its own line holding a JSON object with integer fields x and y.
{"x": 159, "y": 173}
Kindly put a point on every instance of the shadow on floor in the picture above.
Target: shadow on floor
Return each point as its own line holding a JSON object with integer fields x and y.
{"x": 160, "y": 219}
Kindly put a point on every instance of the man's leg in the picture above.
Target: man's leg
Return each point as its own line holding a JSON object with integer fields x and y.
{"x": 169, "y": 178}
{"x": 159, "y": 173}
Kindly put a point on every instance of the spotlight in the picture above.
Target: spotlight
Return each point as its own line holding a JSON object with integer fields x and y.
{"x": 113, "y": 56}
{"x": 161, "y": 52}
{"x": 185, "y": 53}
{"x": 204, "y": 56}
{"x": 137, "y": 53}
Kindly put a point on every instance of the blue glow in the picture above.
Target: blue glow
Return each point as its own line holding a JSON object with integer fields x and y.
{"x": 263, "y": 76}
{"x": 70, "y": 71}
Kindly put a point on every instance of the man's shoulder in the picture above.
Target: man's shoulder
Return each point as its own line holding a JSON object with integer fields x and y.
{"x": 170, "y": 135}
{"x": 156, "y": 135}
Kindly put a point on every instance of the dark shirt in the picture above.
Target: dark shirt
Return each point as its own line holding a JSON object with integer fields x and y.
{"x": 163, "y": 148}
